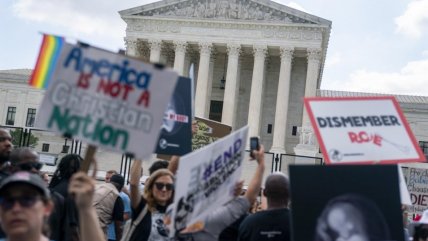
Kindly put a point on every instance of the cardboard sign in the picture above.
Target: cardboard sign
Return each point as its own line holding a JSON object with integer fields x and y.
{"x": 417, "y": 180}
{"x": 345, "y": 202}
{"x": 362, "y": 130}
{"x": 176, "y": 134}
{"x": 106, "y": 99}
{"x": 208, "y": 131}
{"x": 206, "y": 180}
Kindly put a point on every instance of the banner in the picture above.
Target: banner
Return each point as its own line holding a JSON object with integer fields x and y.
{"x": 106, "y": 99}
{"x": 206, "y": 180}
{"x": 345, "y": 202}
{"x": 176, "y": 133}
{"x": 362, "y": 130}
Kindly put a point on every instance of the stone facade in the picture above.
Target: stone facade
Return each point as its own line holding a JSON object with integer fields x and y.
{"x": 269, "y": 54}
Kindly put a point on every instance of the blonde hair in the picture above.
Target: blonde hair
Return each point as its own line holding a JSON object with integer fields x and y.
{"x": 148, "y": 188}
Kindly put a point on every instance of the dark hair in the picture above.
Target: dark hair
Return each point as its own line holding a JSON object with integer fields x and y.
{"x": 159, "y": 164}
{"x": 372, "y": 218}
{"x": 67, "y": 166}
{"x": 420, "y": 232}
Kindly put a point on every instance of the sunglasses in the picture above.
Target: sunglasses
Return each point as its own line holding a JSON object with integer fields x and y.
{"x": 160, "y": 186}
{"x": 7, "y": 203}
{"x": 30, "y": 165}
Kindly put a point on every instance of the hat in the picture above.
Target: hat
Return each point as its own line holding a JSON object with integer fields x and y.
{"x": 26, "y": 178}
{"x": 117, "y": 178}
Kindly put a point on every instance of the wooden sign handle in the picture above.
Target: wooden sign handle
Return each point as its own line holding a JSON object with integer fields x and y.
{"x": 89, "y": 158}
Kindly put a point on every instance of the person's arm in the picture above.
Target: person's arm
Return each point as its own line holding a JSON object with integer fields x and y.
{"x": 134, "y": 183}
{"x": 82, "y": 188}
{"x": 256, "y": 182}
{"x": 173, "y": 164}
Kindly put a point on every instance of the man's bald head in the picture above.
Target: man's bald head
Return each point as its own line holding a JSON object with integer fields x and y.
{"x": 276, "y": 188}
{"x": 25, "y": 159}
{"x": 23, "y": 155}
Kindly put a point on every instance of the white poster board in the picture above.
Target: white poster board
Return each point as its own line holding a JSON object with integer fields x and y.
{"x": 417, "y": 180}
{"x": 107, "y": 99}
{"x": 206, "y": 179}
{"x": 362, "y": 130}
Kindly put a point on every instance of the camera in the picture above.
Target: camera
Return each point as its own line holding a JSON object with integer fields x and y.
{"x": 254, "y": 145}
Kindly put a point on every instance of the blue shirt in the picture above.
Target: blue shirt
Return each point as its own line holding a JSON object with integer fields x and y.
{"x": 111, "y": 234}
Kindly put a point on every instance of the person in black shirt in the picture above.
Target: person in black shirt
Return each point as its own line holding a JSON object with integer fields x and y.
{"x": 68, "y": 165}
{"x": 274, "y": 223}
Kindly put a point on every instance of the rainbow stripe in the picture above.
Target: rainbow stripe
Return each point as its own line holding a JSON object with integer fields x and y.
{"x": 46, "y": 62}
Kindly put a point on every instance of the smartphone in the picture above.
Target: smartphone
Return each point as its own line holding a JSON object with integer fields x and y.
{"x": 254, "y": 145}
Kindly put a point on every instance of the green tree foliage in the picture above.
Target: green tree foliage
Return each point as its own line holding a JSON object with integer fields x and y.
{"x": 16, "y": 138}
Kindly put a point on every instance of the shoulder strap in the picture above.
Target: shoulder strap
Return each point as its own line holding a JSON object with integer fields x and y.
{"x": 141, "y": 216}
{"x": 134, "y": 224}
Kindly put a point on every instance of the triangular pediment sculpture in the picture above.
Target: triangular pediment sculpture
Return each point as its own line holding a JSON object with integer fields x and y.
{"x": 260, "y": 10}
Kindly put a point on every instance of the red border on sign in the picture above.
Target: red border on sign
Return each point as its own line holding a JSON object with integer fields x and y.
{"x": 400, "y": 114}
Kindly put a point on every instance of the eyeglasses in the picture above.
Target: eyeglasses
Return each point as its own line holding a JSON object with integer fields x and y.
{"x": 28, "y": 166}
{"x": 160, "y": 186}
{"x": 7, "y": 203}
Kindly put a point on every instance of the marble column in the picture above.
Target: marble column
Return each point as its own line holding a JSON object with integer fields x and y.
{"x": 203, "y": 75}
{"x": 210, "y": 83}
{"x": 314, "y": 60}
{"x": 131, "y": 47}
{"x": 282, "y": 101}
{"x": 232, "y": 85}
{"x": 256, "y": 95}
{"x": 180, "y": 55}
{"x": 155, "y": 50}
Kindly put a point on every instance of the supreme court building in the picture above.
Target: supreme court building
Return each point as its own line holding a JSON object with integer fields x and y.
{"x": 254, "y": 61}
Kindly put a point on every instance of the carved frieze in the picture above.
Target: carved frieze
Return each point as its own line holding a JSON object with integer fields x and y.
{"x": 230, "y": 29}
{"x": 225, "y": 9}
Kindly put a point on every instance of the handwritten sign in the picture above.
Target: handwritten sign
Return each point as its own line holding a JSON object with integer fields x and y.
{"x": 106, "y": 99}
{"x": 417, "y": 184}
{"x": 362, "y": 130}
{"x": 206, "y": 179}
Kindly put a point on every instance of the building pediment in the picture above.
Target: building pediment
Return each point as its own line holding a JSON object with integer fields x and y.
{"x": 246, "y": 10}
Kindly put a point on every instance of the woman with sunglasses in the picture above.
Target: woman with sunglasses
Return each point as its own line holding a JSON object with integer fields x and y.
{"x": 158, "y": 194}
{"x": 25, "y": 205}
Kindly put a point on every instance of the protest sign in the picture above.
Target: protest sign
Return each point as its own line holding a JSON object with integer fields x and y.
{"x": 208, "y": 131}
{"x": 106, "y": 99}
{"x": 362, "y": 130}
{"x": 206, "y": 180}
{"x": 176, "y": 136}
{"x": 417, "y": 180}
{"x": 345, "y": 202}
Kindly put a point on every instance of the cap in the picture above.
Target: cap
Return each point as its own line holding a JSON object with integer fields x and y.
{"x": 26, "y": 178}
{"x": 117, "y": 178}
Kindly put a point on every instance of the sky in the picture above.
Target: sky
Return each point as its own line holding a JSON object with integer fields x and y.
{"x": 375, "y": 46}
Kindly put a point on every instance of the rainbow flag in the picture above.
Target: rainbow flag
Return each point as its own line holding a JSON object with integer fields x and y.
{"x": 46, "y": 62}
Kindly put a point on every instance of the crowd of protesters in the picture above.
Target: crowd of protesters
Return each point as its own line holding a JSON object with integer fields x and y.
{"x": 72, "y": 206}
